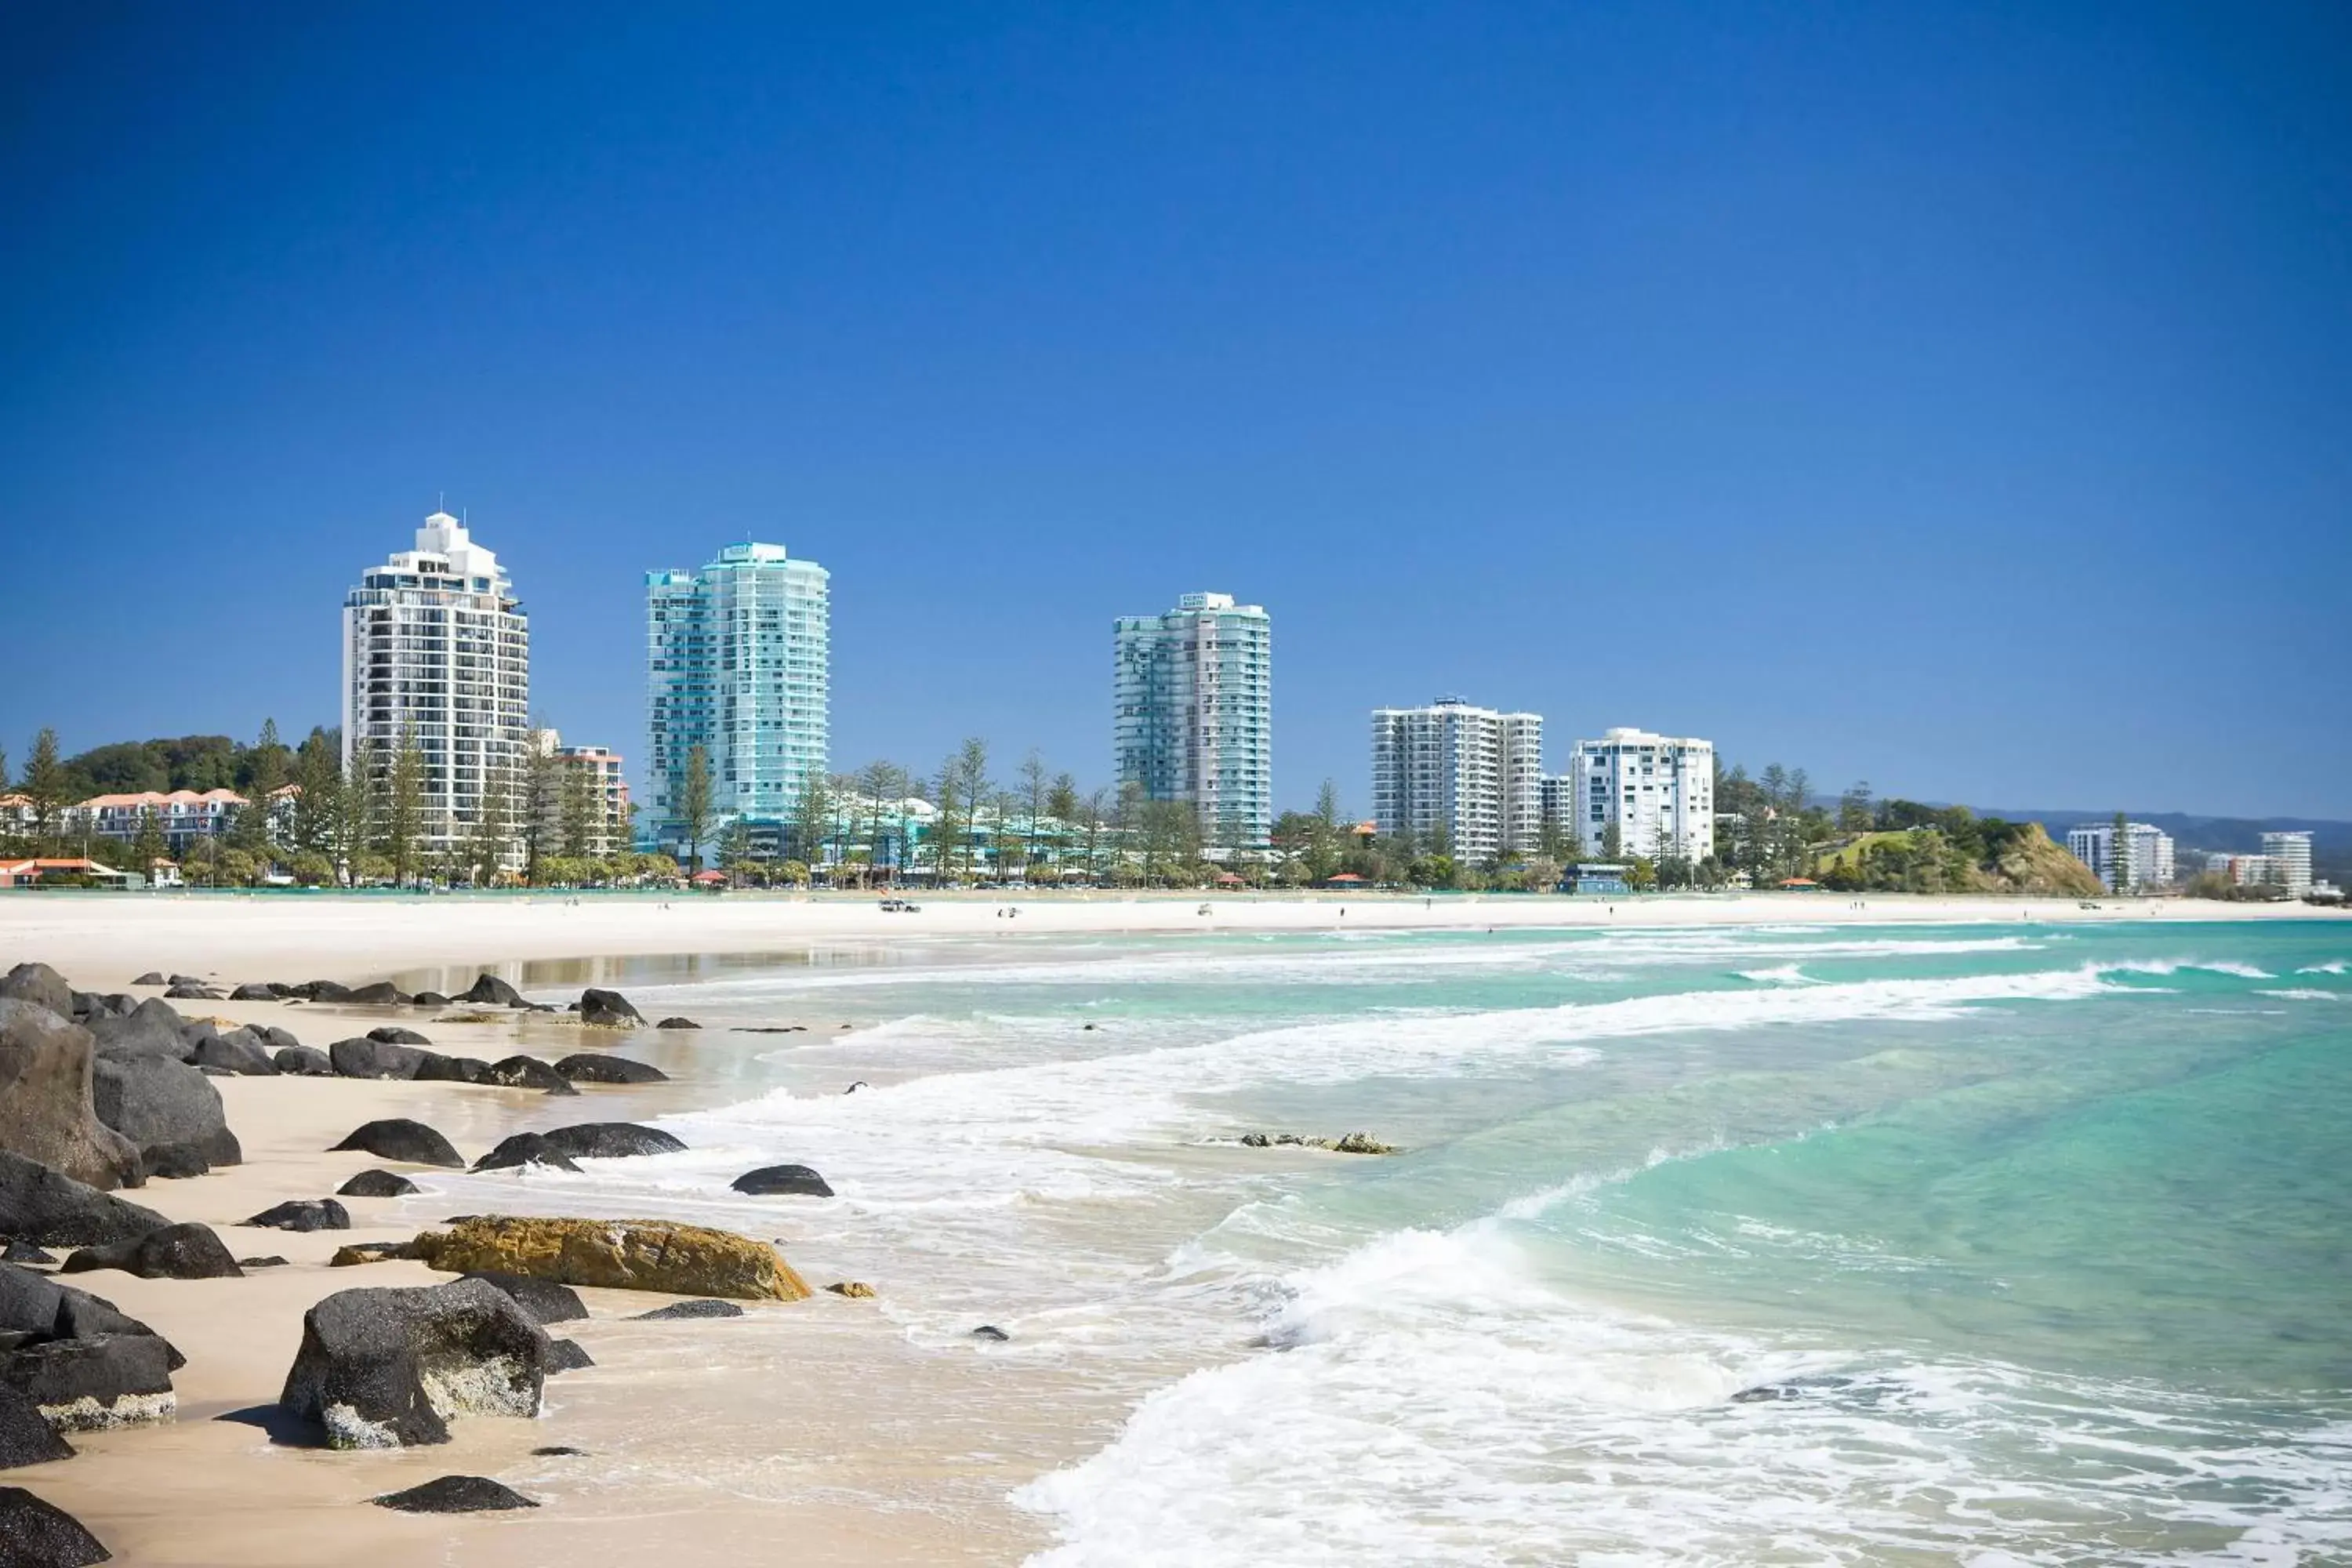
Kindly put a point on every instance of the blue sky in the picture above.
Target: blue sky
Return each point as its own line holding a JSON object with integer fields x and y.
{"x": 1958, "y": 397}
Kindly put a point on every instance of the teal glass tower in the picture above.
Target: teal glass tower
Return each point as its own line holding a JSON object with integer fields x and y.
{"x": 1193, "y": 713}
{"x": 739, "y": 662}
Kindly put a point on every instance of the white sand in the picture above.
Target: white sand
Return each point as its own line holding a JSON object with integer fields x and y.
{"x": 103, "y": 940}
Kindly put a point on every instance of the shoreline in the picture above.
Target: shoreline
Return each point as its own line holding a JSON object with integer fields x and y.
{"x": 102, "y": 939}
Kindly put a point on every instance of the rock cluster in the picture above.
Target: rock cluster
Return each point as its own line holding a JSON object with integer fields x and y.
{"x": 1347, "y": 1143}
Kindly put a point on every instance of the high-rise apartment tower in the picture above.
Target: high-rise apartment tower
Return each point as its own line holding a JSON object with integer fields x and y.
{"x": 1633, "y": 792}
{"x": 739, "y": 662}
{"x": 1192, "y": 702}
{"x": 437, "y": 648}
{"x": 1470, "y": 774}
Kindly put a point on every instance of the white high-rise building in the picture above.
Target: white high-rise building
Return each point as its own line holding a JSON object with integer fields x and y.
{"x": 737, "y": 661}
{"x": 2149, "y": 863}
{"x": 1472, "y": 774}
{"x": 2289, "y": 857}
{"x": 1193, "y": 706}
{"x": 436, "y": 645}
{"x": 1653, "y": 794}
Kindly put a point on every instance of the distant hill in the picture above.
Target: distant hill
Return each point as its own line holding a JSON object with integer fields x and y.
{"x": 2331, "y": 842}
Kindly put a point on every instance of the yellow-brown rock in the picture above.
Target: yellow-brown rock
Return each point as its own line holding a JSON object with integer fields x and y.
{"x": 618, "y": 1254}
{"x": 855, "y": 1290}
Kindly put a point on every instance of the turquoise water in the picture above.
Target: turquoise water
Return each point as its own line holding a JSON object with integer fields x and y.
{"x": 1980, "y": 1245}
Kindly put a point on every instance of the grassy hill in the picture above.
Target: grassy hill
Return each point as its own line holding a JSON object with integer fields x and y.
{"x": 1960, "y": 853}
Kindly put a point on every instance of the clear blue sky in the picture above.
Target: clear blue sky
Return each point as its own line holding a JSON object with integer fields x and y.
{"x": 1958, "y": 398}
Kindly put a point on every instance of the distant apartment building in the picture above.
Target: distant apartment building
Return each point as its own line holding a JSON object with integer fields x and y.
{"x": 2289, "y": 857}
{"x": 1192, "y": 705}
{"x": 739, "y": 662}
{"x": 1472, "y": 774}
{"x": 181, "y": 816}
{"x": 2146, "y": 863}
{"x": 436, "y": 645}
{"x": 607, "y": 786}
{"x": 1652, "y": 796}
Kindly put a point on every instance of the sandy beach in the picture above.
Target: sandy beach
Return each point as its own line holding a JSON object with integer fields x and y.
{"x": 229, "y": 1482}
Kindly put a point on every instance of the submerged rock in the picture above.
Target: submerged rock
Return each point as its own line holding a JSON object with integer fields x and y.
{"x": 612, "y": 1140}
{"x": 377, "y": 1184}
{"x": 567, "y": 1355}
{"x": 530, "y": 1072}
{"x": 855, "y": 1290}
{"x": 991, "y": 1332}
{"x": 677, "y": 1310}
{"x": 609, "y": 1010}
{"x": 592, "y": 1067}
{"x": 385, "y": 1368}
{"x": 677, "y": 1024}
{"x": 456, "y": 1494}
{"x": 770, "y": 1180}
{"x": 524, "y": 1149}
{"x": 628, "y": 1255}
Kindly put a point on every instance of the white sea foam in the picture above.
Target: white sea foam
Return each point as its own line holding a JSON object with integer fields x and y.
{"x": 2333, "y": 966}
{"x": 2306, "y": 993}
{"x": 1435, "y": 1400}
{"x": 1782, "y": 974}
{"x": 2175, "y": 965}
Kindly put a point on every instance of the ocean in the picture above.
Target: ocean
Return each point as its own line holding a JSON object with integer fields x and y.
{"x": 1982, "y": 1244}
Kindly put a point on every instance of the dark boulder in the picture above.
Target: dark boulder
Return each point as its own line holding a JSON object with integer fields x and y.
{"x": 678, "y": 1310}
{"x": 87, "y": 1385}
{"x": 175, "y": 1163}
{"x": 992, "y": 1333}
{"x": 363, "y": 1058}
{"x": 544, "y": 1299}
{"x": 438, "y": 1068}
{"x": 45, "y": 1111}
{"x": 322, "y": 991}
{"x": 611, "y": 1140}
{"x": 40, "y": 986}
{"x": 429, "y": 999}
{"x": 240, "y": 1051}
{"x": 567, "y": 1355}
{"x": 383, "y": 993}
{"x": 26, "y": 1435}
{"x": 557, "y": 1451}
{"x": 276, "y": 1038}
{"x": 192, "y": 992}
{"x": 609, "y": 1009}
{"x": 51, "y": 1209}
{"x": 398, "y": 1137}
{"x": 176, "y": 979}
{"x": 677, "y": 1024}
{"x": 524, "y": 1149}
{"x": 456, "y": 1494}
{"x": 24, "y": 1252}
{"x": 151, "y": 1029}
{"x": 36, "y": 1534}
{"x": 775, "y": 1181}
{"x": 253, "y": 991}
{"x": 593, "y": 1067}
{"x": 272, "y": 1261}
{"x": 530, "y": 1072}
{"x": 393, "y": 1035}
{"x": 305, "y": 1214}
{"x": 160, "y": 1104}
{"x": 175, "y": 1252}
{"x": 152, "y": 977}
{"x": 494, "y": 992}
{"x": 303, "y": 1062}
{"x": 34, "y": 1307}
{"x": 376, "y": 1184}
{"x": 382, "y": 1368}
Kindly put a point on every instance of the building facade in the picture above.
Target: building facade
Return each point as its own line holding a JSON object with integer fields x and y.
{"x": 607, "y": 784}
{"x": 437, "y": 648}
{"x": 1193, "y": 704}
{"x": 1470, "y": 776}
{"x": 739, "y": 662}
{"x": 2147, "y": 862}
{"x": 1633, "y": 792}
{"x": 2289, "y": 857}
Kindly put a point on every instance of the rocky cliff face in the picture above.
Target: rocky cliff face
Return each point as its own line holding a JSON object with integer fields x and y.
{"x": 2033, "y": 863}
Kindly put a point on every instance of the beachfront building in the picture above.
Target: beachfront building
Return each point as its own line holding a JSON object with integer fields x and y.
{"x": 739, "y": 662}
{"x": 1468, "y": 777}
{"x": 437, "y": 649}
{"x": 2289, "y": 857}
{"x": 1192, "y": 705}
{"x": 2147, "y": 861}
{"x": 1633, "y": 792}
{"x": 181, "y": 816}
